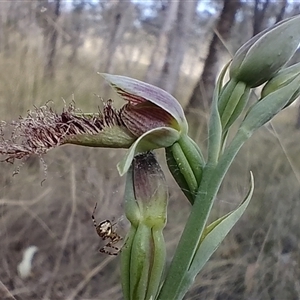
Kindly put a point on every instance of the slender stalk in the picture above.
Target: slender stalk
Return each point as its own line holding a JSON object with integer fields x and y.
{"x": 210, "y": 184}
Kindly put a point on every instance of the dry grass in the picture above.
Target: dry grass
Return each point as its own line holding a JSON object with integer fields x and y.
{"x": 258, "y": 260}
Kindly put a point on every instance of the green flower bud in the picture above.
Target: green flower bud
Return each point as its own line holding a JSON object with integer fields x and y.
{"x": 281, "y": 79}
{"x": 265, "y": 109}
{"x": 185, "y": 162}
{"x": 144, "y": 252}
{"x": 266, "y": 53}
{"x": 150, "y": 119}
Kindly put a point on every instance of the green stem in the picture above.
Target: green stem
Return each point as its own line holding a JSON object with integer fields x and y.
{"x": 188, "y": 244}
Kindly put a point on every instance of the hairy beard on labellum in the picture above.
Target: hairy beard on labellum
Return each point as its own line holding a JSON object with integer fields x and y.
{"x": 44, "y": 129}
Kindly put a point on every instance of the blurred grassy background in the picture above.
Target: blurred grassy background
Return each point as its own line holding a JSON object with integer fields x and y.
{"x": 258, "y": 260}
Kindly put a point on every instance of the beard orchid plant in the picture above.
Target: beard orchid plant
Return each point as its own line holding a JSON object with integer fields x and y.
{"x": 151, "y": 119}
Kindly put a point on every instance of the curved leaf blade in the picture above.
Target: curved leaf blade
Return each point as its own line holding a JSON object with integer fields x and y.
{"x": 215, "y": 233}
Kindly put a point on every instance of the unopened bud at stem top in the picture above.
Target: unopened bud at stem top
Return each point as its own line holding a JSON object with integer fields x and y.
{"x": 264, "y": 55}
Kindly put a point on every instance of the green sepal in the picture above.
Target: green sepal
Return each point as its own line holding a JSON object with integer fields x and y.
{"x": 215, "y": 126}
{"x": 126, "y": 261}
{"x": 235, "y": 105}
{"x": 110, "y": 137}
{"x": 184, "y": 167}
{"x": 193, "y": 155}
{"x": 178, "y": 176}
{"x": 238, "y": 109}
{"x": 158, "y": 264}
{"x": 141, "y": 262}
{"x": 223, "y": 93}
{"x": 131, "y": 207}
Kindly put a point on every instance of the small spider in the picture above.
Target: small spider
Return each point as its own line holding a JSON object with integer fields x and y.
{"x": 106, "y": 231}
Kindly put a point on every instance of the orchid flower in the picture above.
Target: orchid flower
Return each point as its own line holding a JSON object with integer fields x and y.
{"x": 150, "y": 119}
{"x": 153, "y": 116}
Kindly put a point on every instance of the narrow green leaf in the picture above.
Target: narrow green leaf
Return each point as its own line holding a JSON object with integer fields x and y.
{"x": 215, "y": 233}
